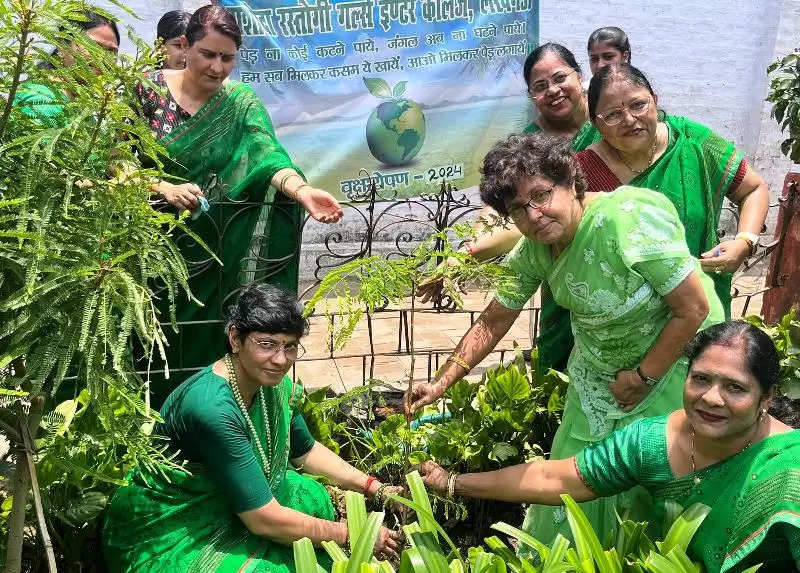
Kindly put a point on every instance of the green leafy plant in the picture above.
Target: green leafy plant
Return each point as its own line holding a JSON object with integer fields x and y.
{"x": 430, "y": 549}
{"x": 784, "y": 94}
{"x": 786, "y": 336}
{"x": 83, "y": 259}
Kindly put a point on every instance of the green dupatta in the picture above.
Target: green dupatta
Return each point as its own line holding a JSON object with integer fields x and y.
{"x": 230, "y": 140}
{"x": 174, "y": 521}
{"x": 755, "y": 501}
{"x": 586, "y": 135}
{"x": 695, "y": 173}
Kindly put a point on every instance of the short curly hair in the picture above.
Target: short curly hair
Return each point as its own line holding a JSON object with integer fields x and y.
{"x": 530, "y": 155}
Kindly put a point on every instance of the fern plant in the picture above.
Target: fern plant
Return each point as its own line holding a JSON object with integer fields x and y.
{"x": 82, "y": 254}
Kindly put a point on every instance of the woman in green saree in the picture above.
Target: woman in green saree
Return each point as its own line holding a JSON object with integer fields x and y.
{"x": 722, "y": 449}
{"x": 221, "y": 142}
{"x": 234, "y": 424}
{"x": 554, "y": 81}
{"x": 41, "y": 102}
{"x": 619, "y": 262}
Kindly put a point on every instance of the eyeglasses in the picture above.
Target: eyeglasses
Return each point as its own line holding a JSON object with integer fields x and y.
{"x": 636, "y": 108}
{"x": 540, "y": 198}
{"x": 268, "y": 348}
{"x": 558, "y": 79}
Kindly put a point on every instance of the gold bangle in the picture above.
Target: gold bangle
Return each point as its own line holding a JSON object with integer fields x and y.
{"x": 282, "y": 185}
{"x": 460, "y": 361}
{"x": 750, "y": 238}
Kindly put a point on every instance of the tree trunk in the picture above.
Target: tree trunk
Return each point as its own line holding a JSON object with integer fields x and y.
{"x": 20, "y": 485}
{"x": 783, "y": 275}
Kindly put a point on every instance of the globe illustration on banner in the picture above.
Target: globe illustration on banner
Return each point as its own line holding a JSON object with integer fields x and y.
{"x": 396, "y": 128}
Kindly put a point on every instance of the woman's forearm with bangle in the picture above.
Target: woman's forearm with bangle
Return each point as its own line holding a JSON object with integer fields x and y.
{"x": 477, "y": 343}
{"x": 289, "y": 182}
{"x": 322, "y": 461}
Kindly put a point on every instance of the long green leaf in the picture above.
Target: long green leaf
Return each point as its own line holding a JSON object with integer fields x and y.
{"x": 356, "y": 509}
{"x": 361, "y": 552}
{"x": 422, "y": 511}
{"x": 411, "y": 561}
{"x": 335, "y": 552}
{"x": 524, "y": 537}
{"x": 428, "y": 547}
{"x": 684, "y": 528}
{"x": 420, "y": 496}
{"x": 305, "y": 560}
{"x": 587, "y": 543}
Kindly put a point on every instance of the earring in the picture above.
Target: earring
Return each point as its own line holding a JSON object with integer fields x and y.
{"x": 184, "y": 59}
{"x": 761, "y": 415}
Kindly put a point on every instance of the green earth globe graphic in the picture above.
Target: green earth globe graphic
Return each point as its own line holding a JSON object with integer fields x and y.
{"x": 395, "y": 131}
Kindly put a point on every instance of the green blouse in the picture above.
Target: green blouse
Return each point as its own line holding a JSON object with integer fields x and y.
{"x": 203, "y": 422}
{"x": 41, "y": 103}
{"x": 754, "y": 495}
{"x": 586, "y": 135}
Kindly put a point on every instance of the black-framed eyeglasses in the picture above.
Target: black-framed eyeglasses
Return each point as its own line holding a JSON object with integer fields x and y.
{"x": 558, "y": 79}
{"x": 292, "y": 350}
{"x": 539, "y": 198}
{"x": 636, "y": 108}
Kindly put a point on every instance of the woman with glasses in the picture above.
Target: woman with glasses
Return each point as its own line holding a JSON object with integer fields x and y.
{"x": 235, "y": 426}
{"x": 685, "y": 161}
{"x": 619, "y": 263}
{"x": 722, "y": 449}
{"x": 554, "y": 83}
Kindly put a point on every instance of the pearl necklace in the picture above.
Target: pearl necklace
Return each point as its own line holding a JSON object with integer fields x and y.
{"x": 237, "y": 394}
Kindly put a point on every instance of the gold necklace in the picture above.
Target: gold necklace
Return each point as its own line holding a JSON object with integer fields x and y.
{"x": 698, "y": 479}
{"x": 649, "y": 160}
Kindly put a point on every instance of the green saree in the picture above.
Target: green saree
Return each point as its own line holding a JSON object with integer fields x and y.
{"x": 629, "y": 251}
{"x": 754, "y": 495}
{"x": 230, "y": 150}
{"x": 41, "y": 103}
{"x": 586, "y": 135}
{"x": 176, "y": 521}
{"x": 695, "y": 172}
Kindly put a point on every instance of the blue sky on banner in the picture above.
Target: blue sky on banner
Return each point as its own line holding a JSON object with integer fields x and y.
{"x": 308, "y": 59}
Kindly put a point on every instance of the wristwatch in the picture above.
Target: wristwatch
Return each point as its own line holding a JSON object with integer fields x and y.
{"x": 646, "y": 379}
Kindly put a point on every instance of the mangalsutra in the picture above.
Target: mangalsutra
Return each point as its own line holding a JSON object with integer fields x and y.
{"x": 698, "y": 479}
{"x": 649, "y": 160}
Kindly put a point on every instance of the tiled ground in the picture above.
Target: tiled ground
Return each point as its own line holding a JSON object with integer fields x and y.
{"x": 433, "y": 332}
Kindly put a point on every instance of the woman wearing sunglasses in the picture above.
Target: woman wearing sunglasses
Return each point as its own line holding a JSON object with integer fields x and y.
{"x": 235, "y": 425}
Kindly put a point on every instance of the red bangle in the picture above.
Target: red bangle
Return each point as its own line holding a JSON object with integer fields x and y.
{"x": 368, "y": 483}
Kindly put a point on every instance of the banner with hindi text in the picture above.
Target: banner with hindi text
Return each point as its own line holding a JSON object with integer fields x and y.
{"x": 404, "y": 93}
